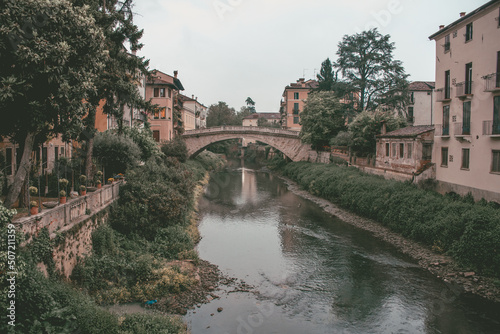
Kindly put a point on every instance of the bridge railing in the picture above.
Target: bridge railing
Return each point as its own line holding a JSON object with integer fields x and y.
{"x": 242, "y": 129}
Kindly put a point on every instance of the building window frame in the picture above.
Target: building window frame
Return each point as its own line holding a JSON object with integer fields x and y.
{"x": 409, "y": 150}
{"x": 156, "y": 92}
{"x": 465, "y": 159}
{"x": 387, "y": 149}
{"x": 295, "y": 108}
{"x": 427, "y": 151}
{"x": 163, "y": 113}
{"x": 444, "y": 156}
{"x": 296, "y": 120}
{"x": 296, "y": 95}
{"x": 469, "y": 31}
{"x": 162, "y": 92}
{"x": 446, "y": 43}
{"x": 495, "y": 161}
{"x": 446, "y": 120}
{"x": 401, "y": 150}
{"x": 466, "y": 115}
{"x": 394, "y": 153}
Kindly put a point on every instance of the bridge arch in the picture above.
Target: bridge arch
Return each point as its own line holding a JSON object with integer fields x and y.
{"x": 286, "y": 141}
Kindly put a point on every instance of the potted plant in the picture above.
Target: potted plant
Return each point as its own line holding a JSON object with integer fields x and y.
{"x": 33, "y": 191}
{"x": 62, "y": 197}
{"x": 63, "y": 183}
{"x": 99, "y": 184}
{"x": 110, "y": 180}
{"x": 34, "y": 207}
{"x": 98, "y": 179}
{"x": 83, "y": 190}
{"x": 83, "y": 179}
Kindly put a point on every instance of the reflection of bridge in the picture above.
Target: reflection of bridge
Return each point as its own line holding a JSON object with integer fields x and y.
{"x": 286, "y": 141}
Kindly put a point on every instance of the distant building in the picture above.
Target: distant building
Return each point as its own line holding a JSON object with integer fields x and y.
{"x": 194, "y": 114}
{"x": 421, "y": 107}
{"x": 271, "y": 117}
{"x": 162, "y": 89}
{"x": 292, "y": 104}
{"x": 467, "y": 100}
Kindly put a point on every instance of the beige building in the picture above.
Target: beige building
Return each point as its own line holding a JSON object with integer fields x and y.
{"x": 194, "y": 114}
{"x": 162, "y": 90}
{"x": 292, "y": 104}
{"x": 253, "y": 120}
{"x": 467, "y": 104}
{"x": 420, "y": 109}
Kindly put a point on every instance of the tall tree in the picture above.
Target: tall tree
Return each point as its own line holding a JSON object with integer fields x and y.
{"x": 221, "y": 114}
{"x": 366, "y": 62}
{"x": 250, "y": 104}
{"x": 51, "y": 54}
{"x": 324, "y": 116}
{"x": 117, "y": 84}
{"x": 326, "y": 77}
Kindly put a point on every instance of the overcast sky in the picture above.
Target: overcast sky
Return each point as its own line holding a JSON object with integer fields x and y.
{"x": 228, "y": 50}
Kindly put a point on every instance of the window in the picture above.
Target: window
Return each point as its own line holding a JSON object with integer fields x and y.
{"x": 169, "y": 93}
{"x": 156, "y": 114}
{"x": 56, "y": 153}
{"x": 8, "y": 161}
{"x": 410, "y": 114}
{"x": 444, "y": 156}
{"x": 495, "y": 166}
{"x": 156, "y": 135}
{"x": 162, "y": 92}
{"x": 468, "y": 79}
{"x": 427, "y": 151}
{"x": 401, "y": 150}
{"x": 498, "y": 69}
{"x": 295, "y": 120}
{"x": 446, "y": 43}
{"x": 409, "y": 150}
{"x": 62, "y": 151}
{"x": 465, "y": 158}
{"x": 446, "y": 120}
{"x": 394, "y": 150}
{"x": 163, "y": 113}
{"x": 387, "y": 149}
{"x": 156, "y": 92}
{"x": 466, "y": 118}
{"x": 295, "y": 108}
{"x": 447, "y": 84}
{"x": 296, "y": 96}
{"x": 412, "y": 97}
{"x": 496, "y": 115}
{"x": 468, "y": 32}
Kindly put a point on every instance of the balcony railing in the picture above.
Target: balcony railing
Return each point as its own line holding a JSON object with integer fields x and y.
{"x": 443, "y": 94}
{"x": 492, "y": 82}
{"x": 465, "y": 88}
{"x": 462, "y": 129}
{"x": 442, "y": 131}
{"x": 139, "y": 116}
{"x": 491, "y": 128}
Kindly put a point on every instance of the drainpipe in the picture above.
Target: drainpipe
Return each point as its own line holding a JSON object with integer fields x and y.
{"x": 432, "y": 105}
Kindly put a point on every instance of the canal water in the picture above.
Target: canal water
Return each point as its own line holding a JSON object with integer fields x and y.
{"x": 312, "y": 273}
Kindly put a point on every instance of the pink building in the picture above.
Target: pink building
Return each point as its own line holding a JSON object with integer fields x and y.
{"x": 292, "y": 104}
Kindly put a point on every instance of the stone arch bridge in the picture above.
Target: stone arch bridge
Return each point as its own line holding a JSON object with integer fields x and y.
{"x": 286, "y": 141}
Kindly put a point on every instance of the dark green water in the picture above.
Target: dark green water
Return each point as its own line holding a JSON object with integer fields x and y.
{"x": 313, "y": 273}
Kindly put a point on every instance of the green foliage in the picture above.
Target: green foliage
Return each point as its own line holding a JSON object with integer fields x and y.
{"x": 367, "y": 125}
{"x": 324, "y": 116}
{"x": 176, "y": 149}
{"x": 343, "y": 138}
{"x": 366, "y": 63}
{"x": 221, "y": 114}
{"x": 143, "y": 137}
{"x": 117, "y": 152}
{"x": 141, "y": 323}
{"x": 467, "y": 231}
{"x": 326, "y": 79}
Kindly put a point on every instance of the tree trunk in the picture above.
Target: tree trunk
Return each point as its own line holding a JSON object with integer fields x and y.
{"x": 88, "y": 159}
{"x": 21, "y": 172}
{"x": 23, "y": 197}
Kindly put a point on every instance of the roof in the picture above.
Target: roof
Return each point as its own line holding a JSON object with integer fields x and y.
{"x": 175, "y": 83}
{"x": 309, "y": 84}
{"x": 266, "y": 115}
{"x": 474, "y": 12}
{"x": 422, "y": 86}
{"x": 409, "y": 131}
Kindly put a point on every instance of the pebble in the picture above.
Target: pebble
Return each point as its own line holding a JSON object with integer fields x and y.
{"x": 219, "y": 309}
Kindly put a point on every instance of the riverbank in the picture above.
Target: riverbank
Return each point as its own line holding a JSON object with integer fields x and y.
{"x": 442, "y": 266}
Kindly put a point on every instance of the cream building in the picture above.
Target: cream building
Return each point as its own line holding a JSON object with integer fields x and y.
{"x": 420, "y": 110}
{"x": 194, "y": 114}
{"x": 467, "y": 104}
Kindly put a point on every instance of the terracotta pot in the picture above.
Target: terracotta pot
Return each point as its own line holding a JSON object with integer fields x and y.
{"x": 62, "y": 200}
{"x": 83, "y": 192}
{"x": 34, "y": 210}
{"x": 99, "y": 186}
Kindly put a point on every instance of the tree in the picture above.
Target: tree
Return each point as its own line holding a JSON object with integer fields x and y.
{"x": 221, "y": 114}
{"x": 51, "y": 54}
{"x": 324, "y": 116}
{"x": 244, "y": 112}
{"x": 326, "y": 78}
{"x": 367, "y": 125}
{"x": 250, "y": 104}
{"x": 118, "y": 152}
{"x": 117, "y": 83}
{"x": 366, "y": 62}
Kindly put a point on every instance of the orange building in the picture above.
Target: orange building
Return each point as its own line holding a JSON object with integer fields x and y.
{"x": 293, "y": 101}
{"x": 162, "y": 90}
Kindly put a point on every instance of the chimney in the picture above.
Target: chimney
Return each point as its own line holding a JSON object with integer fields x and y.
{"x": 175, "y": 74}
{"x": 384, "y": 128}
{"x": 196, "y": 98}
{"x": 301, "y": 80}
{"x": 192, "y": 96}
{"x": 462, "y": 14}
{"x": 441, "y": 26}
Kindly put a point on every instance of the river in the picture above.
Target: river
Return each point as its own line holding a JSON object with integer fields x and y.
{"x": 313, "y": 273}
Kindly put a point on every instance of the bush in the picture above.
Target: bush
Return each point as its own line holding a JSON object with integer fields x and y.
{"x": 450, "y": 223}
{"x": 176, "y": 149}
{"x": 117, "y": 152}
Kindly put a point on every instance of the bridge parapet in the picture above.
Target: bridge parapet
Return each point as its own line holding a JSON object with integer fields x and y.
{"x": 241, "y": 129}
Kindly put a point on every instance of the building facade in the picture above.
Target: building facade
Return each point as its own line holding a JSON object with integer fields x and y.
{"x": 194, "y": 114}
{"x": 292, "y": 103}
{"x": 253, "y": 120}
{"x": 162, "y": 89}
{"x": 420, "y": 110}
{"x": 467, "y": 104}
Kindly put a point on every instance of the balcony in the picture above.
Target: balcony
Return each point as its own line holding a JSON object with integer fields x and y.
{"x": 462, "y": 130}
{"x": 465, "y": 89}
{"x": 443, "y": 94}
{"x": 492, "y": 82}
{"x": 442, "y": 131}
{"x": 491, "y": 128}
{"x": 139, "y": 116}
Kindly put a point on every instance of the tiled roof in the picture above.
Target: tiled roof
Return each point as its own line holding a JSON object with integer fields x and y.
{"x": 266, "y": 115}
{"x": 309, "y": 84}
{"x": 409, "y": 131}
{"x": 422, "y": 86}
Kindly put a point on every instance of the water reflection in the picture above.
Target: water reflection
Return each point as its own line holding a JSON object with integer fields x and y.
{"x": 312, "y": 272}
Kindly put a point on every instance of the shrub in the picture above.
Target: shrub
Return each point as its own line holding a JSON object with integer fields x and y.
{"x": 118, "y": 153}
{"x": 176, "y": 149}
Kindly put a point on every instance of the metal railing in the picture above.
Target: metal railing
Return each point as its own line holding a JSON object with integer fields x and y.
{"x": 443, "y": 94}
{"x": 442, "y": 131}
{"x": 492, "y": 82}
{"x": 465, "y": 88}
{"x": 491, "y": 128}
{"x": 462, "y": 129}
